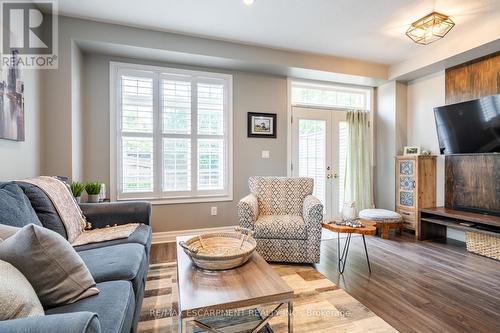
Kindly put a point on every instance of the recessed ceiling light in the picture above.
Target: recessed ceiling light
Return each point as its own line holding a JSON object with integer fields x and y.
{"x": 430, "y": 28}
{"x": 248, "y": 2}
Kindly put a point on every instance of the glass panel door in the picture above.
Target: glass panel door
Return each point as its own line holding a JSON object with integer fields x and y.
{"x": 319, "y": 139}
{"x": 312, "y": 153}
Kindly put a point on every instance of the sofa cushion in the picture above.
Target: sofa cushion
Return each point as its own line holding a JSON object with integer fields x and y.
{"x": 17, "y": 297}
{"x": 45, "y": 210}
{"x": 81, "y": 322}
{"x": 118, "y": 262}
{"x": 280, "y": 227}
{"x": 114, "y": 306}
{"x": 49, "y": 262}
{"x": 15, "y": 207}
{"x": 141, "y": 235}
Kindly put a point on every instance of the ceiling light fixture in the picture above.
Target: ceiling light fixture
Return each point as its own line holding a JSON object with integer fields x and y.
{"x": 430, "y": 28}
{"x": 248, "y": 2}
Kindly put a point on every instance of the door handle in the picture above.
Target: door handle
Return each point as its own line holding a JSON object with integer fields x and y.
{"x": 334, "y": 175}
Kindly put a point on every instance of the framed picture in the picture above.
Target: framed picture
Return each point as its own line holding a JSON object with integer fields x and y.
{"x": 261, "y": 125}
{"x": 11, "y": 103}
{"x": 408, "y": 151}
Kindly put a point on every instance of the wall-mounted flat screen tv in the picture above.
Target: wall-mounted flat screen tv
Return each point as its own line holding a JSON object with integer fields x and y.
{"x": 469, "y": 127}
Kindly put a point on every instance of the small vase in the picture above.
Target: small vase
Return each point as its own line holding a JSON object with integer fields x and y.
{"x": 78, "y": 199}
{"x": 93, "y": 198}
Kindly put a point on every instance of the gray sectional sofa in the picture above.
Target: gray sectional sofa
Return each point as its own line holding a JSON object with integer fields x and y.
{"x": 119, "y": 268}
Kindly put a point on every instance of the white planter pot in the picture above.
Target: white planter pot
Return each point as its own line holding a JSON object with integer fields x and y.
{"x": 78, "y": 199}
{"x": 93, "y": 198}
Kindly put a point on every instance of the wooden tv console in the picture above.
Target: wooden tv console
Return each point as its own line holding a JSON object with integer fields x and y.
{"x": 434, "y": 221}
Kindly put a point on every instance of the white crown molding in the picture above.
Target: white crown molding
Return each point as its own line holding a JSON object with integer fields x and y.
{"x": 169, "y": 236}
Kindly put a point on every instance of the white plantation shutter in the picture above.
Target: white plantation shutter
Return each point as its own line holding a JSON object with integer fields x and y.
{"x": 137, "y": 112}
{"x": 174, "y": 134}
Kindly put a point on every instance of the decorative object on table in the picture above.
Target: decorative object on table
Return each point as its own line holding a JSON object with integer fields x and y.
{"x": 77, "y": 189}
{"x": 368, "y": 228}
{"x": 220, "y": 251}
{"x": 93, "y": 190}
{"x": 426, "y": 153}
{"x": 384, "y": 219}
{"x": 285, "y": 216}
{"x": 12, "y": 106}
{"x": 354, "y": 223}
{"x": 349, "y": 210}
{"x": 102, "y": 194}
{"x": 411, "y": 151}
{"x": 415, "y": 187}
{"x": 261, "y": 125}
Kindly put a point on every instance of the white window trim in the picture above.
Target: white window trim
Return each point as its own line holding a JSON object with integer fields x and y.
{"x": 158, "y": 197}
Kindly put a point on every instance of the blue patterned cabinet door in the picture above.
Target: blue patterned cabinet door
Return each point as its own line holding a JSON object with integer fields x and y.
{"x": 406, "y": 167}
{"x": 406, "y": 183}
{"x": 406, "y": 199}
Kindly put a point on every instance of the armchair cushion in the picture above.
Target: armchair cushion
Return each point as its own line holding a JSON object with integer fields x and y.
{"x": 280, "y": 195}
{"x": 280, "y": 227}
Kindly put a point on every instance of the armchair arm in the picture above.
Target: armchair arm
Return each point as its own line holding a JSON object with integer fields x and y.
{"x": 110, "y": 213}
{"x": 312, "y": 212}
{"x": 248, "y": 211}
{"x": 75, "y": 322}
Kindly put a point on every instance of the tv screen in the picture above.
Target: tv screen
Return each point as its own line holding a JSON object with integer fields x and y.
{"x": 469, "y": 127}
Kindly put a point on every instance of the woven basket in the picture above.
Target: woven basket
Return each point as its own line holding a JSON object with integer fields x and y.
{"x": 219, "y": 251}
{"x": 485, "y": 245}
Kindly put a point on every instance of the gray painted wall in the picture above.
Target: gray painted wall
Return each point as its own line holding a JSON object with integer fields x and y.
{"x": 251, "y": 92}
{"x": 22, "y": 159}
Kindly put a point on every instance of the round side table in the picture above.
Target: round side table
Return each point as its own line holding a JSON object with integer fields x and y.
{"x": 369, "y": 228}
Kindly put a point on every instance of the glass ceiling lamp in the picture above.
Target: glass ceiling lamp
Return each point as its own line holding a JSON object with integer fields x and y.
{"x": 430, "y": 28}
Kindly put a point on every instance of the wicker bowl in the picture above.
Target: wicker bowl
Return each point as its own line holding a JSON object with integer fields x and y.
{"x": 219, "y": 251}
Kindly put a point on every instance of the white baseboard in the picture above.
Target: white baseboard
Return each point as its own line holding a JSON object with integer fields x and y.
{"x": 169, "y": 236}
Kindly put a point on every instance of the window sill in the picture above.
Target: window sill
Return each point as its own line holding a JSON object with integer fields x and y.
{"x": 173, "y": 201}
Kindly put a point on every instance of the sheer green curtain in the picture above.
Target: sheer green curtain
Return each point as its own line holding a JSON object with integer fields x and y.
{"x": 358, "y": 182}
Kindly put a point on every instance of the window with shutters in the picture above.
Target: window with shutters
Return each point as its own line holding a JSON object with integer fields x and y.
{"x": 173, "y": 129}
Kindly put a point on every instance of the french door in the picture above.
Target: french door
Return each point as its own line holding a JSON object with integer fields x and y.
{"x": 319, "y": 148}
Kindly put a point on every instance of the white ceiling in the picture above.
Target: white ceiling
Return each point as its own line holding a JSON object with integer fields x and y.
{"x": 371, "y": 30}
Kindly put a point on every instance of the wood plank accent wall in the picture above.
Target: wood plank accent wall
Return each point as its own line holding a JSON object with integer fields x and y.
{"x": 474, "y": 79}
{"x": 473, "y": 182}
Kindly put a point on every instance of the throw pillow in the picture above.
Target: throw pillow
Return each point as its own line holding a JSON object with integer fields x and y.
{"x": 15, "y": 207}
{"x": 54, "y": 269}
{"x": 6, "y": 231}
{"x": 17, "y": 297}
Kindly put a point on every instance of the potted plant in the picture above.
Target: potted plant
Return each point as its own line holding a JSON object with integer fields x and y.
{"x": 93, "y": 190}
{"x": 77, "y": 189}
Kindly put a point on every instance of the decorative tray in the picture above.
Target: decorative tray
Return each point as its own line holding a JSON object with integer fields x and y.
{"x": 219, "y": 251}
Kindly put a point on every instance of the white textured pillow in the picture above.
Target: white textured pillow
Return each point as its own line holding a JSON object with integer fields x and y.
{"x": 17, "y": 297}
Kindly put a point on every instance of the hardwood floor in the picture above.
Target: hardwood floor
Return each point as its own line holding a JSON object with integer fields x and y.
{"x": 414, "y": 286}
{"x": 420, "y": 286}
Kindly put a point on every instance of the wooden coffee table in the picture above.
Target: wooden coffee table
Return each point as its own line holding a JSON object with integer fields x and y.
{"x": 369, "y": 228}
{"x": 207, "y": 293}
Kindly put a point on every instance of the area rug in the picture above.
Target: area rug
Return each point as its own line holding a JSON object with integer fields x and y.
{"x": 319, "y": 306}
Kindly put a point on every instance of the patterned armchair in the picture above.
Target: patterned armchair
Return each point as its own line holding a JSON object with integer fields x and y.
{"x": 285, "y": 217}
